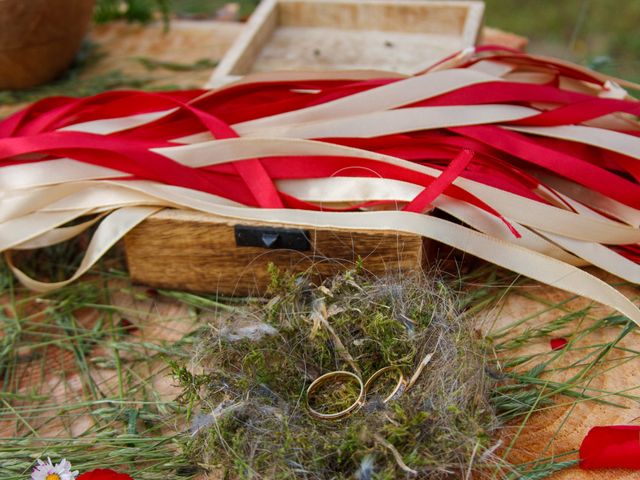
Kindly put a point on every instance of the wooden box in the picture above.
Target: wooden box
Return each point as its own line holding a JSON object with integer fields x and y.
{"x": 199, "y": 252}
{"x": 193, "y": 251}
{"x": 397, "y": 35}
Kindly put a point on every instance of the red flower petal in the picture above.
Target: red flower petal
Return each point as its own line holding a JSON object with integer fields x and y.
{"x": 615, "y": 446}
{"x": 104, "y": 474}
{"x": 558, "y": 343}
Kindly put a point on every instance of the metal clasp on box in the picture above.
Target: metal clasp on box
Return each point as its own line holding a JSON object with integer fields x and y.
{"x": 270, "y": 237}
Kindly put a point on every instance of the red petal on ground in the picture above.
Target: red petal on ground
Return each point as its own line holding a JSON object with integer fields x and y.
{"x": 558, "y": 343}
{"x": 615, "y": 446}
{"x": 104, "y": 474}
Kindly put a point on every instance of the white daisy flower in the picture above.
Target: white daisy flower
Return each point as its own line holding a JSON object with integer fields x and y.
{"x": 49, "y": 471}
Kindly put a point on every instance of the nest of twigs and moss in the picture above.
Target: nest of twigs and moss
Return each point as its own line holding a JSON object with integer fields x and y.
{"x": 256, "y": 365}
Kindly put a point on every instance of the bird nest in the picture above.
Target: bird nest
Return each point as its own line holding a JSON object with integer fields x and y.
{"x": 250, "y": 373}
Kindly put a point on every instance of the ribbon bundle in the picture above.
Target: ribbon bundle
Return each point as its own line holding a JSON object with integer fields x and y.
{"x": 536, "y": 158}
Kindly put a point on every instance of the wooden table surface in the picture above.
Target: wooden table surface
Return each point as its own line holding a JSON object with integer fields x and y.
{"x": 557, "y": 430}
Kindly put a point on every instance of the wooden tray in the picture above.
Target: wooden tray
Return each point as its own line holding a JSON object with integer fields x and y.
{"x": 401, "y": 36}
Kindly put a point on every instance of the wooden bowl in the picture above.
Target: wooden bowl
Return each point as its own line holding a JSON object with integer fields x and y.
{"x": 39, "y": 39}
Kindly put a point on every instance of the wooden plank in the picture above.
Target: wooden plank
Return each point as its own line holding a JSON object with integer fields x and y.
{"x": 398, "y": 36}
{"x": 198, "y": 252}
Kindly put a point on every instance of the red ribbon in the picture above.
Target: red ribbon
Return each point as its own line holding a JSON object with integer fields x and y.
{"x": 435, "y": 188}
{"x": 488, "y": 154}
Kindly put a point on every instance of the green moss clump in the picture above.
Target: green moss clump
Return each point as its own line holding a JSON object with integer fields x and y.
{"x": 254, "y": 369}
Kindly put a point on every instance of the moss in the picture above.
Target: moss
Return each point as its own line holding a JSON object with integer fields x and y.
{"x": 254, "y": 393}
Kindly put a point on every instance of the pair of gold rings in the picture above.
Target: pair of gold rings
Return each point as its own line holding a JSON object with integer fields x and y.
{"x": 340, "y": 376}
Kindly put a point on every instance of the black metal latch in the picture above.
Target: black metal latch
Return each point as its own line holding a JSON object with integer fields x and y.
{"x": 269, "y": 237}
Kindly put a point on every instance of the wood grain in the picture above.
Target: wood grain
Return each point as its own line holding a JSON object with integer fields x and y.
{"x": 561, "y": 427}
{"x": 194, "y": 251}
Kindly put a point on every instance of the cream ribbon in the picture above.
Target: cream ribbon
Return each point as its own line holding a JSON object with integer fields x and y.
{"x": 518, "y": 259}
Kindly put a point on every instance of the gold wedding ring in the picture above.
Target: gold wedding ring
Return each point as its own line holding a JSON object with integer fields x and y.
{"x": 328, "y": 377}
{"x": 381, "y": 372}
{"x": 364, "y": 389}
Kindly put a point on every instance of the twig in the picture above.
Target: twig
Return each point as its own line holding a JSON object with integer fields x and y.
{"x": 396, "y": 455}
{"x": 425, "y": 361}
{"x": 319, "y": 316}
